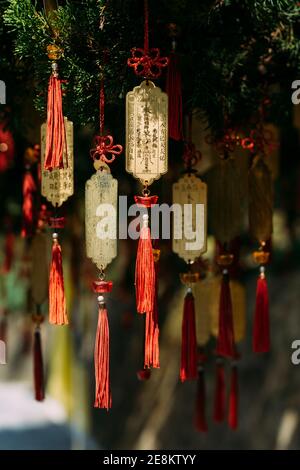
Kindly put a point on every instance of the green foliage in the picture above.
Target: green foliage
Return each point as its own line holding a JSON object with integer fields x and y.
{"x": 232, "y": 52}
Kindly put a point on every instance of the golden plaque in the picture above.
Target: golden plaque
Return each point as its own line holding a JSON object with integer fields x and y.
{"x": 58, "y": 184}
{"x": 190, "y": 217}
{"x": 101, "y": 202}
{"x": 146, "y": 132}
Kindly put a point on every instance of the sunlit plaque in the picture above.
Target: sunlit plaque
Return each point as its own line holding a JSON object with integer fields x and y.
{"x": 101, "y": 199}
{"x": 57, "y": 184}
{"x": 189, "y": 229}
{"x": 146, "y": 132}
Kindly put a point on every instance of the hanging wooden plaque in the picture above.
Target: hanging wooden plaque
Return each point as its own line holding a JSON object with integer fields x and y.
{"x": 101, "y": 201}
{"x": 58, "y": 184}
{"x": 190, "y": 223}
{"x": 147, "y": 132}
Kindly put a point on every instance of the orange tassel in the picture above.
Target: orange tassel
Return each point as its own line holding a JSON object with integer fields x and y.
{"x": 188, "y": 366}
{"x": 29, "y": 188}
{"x": 145, "y": 271}
{"x": 233, "y": 399}
{"x": 261, "y": 327}
{"x": 101, "y": 356}
{"x": 56, "y": 133}
{"x": 151, "y": 357}
{"x": 220, "y": 393}
{"x": 57, "y": 300}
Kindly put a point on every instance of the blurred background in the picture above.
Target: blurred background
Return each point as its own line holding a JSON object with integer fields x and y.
{"x": 158, "y": 413}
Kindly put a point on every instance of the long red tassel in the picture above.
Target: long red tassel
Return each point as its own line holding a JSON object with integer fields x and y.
{"x": 8, "y": 252}
{"x": 188, "y": 367}
{"x": 220, "y": 393}
{"x": 175, "y": 98}
{"x": 145, "y": 271}
{"x": 225, "y": 342}
{"x": 261, "y": 327}
{"x": 233, "y": 399}
{"x": 200, "y": 418}
{"x": 38, "y": 367}
{"x": 29, "y": 188}
{"x": 57, "y": 299}
{"x": 151, "y": 354}
{"x": 56, "y": 134}
{"x": 102, "y": 393}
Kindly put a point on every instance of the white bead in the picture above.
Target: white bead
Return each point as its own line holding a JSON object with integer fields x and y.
{"x": 100, "y": 298}
{"x": 262, "y": 269}
{"x": 225, "y": 271}
{"x": 189, "y": 290}
{"x": 55, "y": 236}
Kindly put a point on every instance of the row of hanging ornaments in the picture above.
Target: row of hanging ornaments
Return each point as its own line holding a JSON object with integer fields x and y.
{"x": 147, "y": 160}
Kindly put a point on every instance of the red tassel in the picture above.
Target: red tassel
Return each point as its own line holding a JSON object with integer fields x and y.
{"x": 56, "y": 134}
{"x": 145, "y": 271}
{"x": 29, "y": 188}
{"x": 261, "y": 327}
{"x": 8, "y": 252}
{"x": 175, "y": 98}
{"x": 3, "y": 326}
{"x": 57, "y": 300}
{"x": 188, "y": 367}
{"x": 101, "y": 356}
{"x": 151, "y": 355}
{"x": 200, "y": 420}
{"x": 220, "y": 395}
{"x": 233, "y": 399}
{"x": 38, "y": 368}
{"x": 225, "y": 342}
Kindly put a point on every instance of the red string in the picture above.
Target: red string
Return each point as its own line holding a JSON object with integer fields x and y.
{"x": 146, "y": 27}
{"x": 101, "y": 106}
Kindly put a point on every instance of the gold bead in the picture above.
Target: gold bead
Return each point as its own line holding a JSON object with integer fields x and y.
{"x": 189, "y": 278}
{"x": 225, "y": 260}
{"x": 37, "y": 319}
{"x": 156, "y": 254}
{"x": 261, "y": 257}
{"x": 54, "y": 52}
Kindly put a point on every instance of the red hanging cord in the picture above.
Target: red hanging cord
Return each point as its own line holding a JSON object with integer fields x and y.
{"x": 101, "y": 107}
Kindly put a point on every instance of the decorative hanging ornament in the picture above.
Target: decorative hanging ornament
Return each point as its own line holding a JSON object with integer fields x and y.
{"x": 147, "y": 160}
{"x": 189, "y": 242}
{"x": 56, "y": 182}
{"x": 101, "y": 202}
{"x": 39, "y": 292}
{"x": 7, "y": 147}
{"x": 261, "y": 227}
